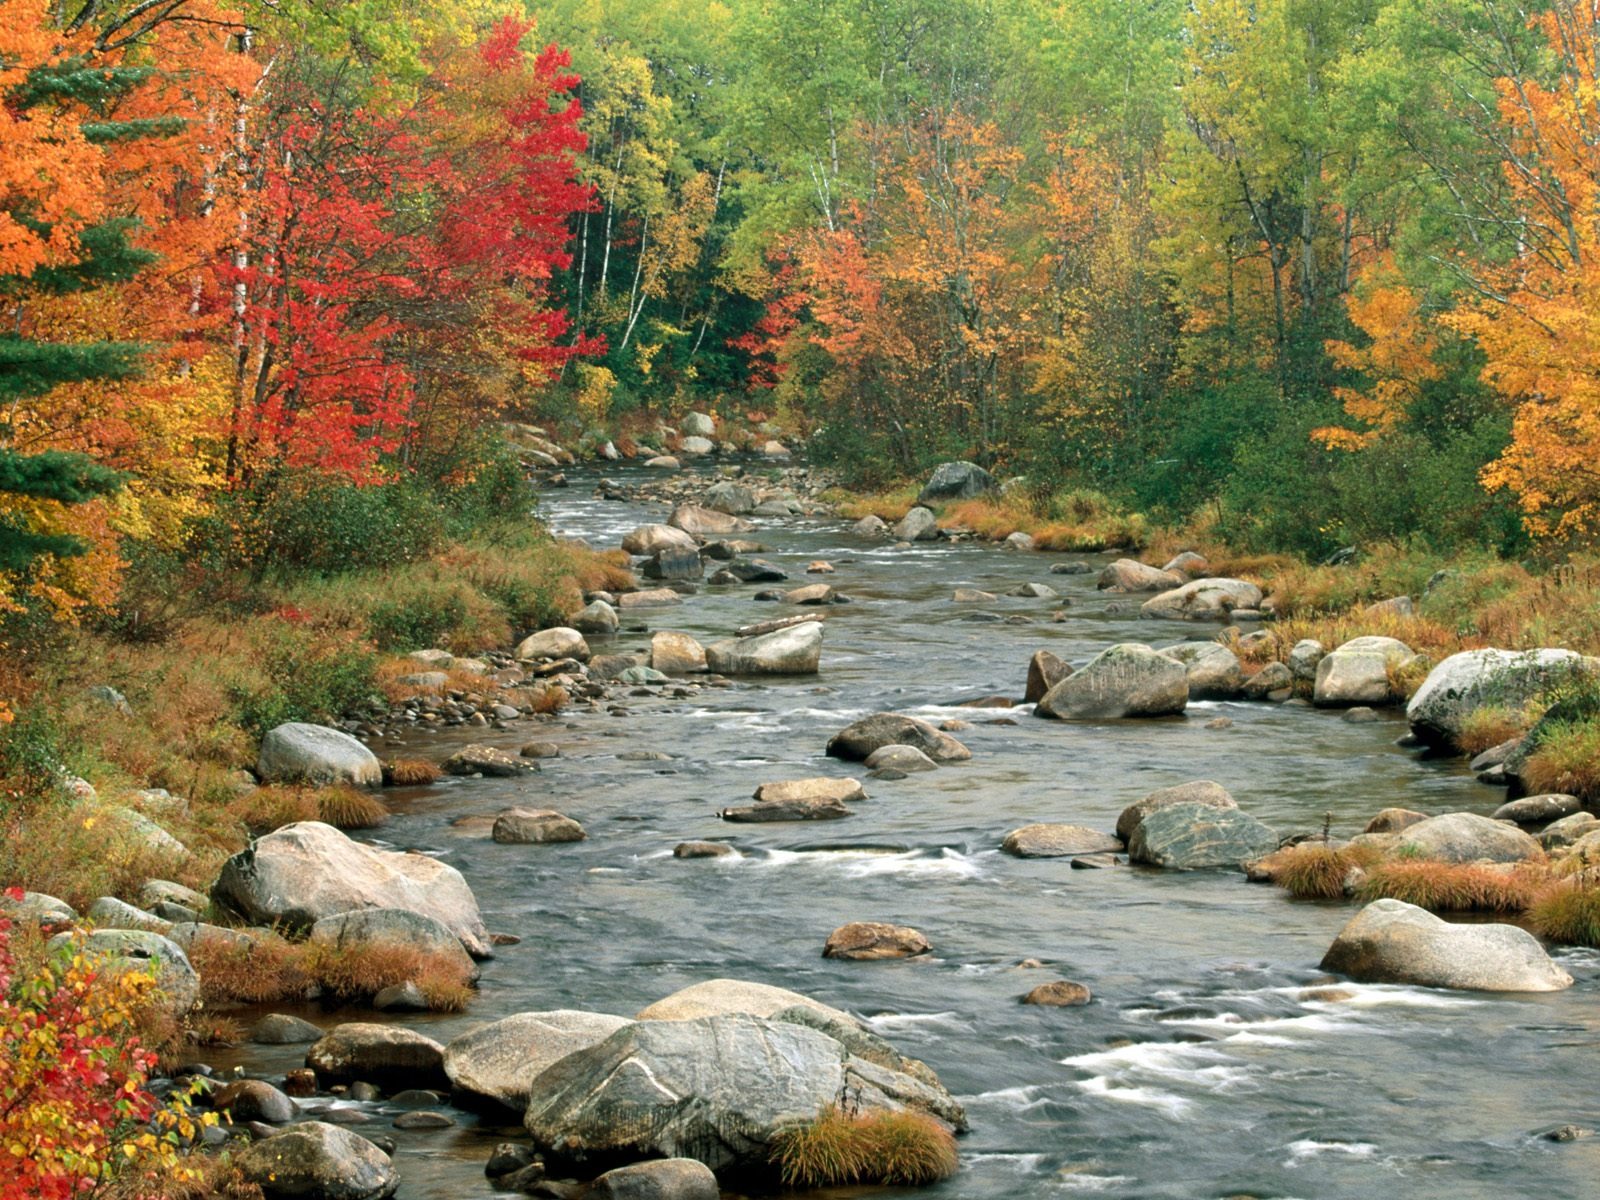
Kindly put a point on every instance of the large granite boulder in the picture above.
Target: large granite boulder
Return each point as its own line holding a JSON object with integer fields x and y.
{"x": 560, "y": 642}
{"x": 381, "y": 1054}
{"x": 297, "y": 752}
{"x": 1203, "y": 600}
{"x": 918, "y": 525}
{"x": 1045, "y": 670}
{"x": 1358, "y": 673}
{"x": 676, "y": 653}
{"x": 1130, "y": 575}
{"x": 735, "y": 499}
{"x": 118, "y": 952}
{"x": 1462, "y": 837}
{"x": 1193, "y": 836}
{"x": 1475, "y": 679}
{"x": 1390, "y": 941}
{"x": 648, "y": 540}
{"x": 1126, "y": 680}
{"x": 955, "y": 481}
{"x": 793, "y": 650}
{"x": 716, "y": 1089}
{"x": 1212, "y": 670}
{"x": 317, "y": 1161}
{"x": 303, "y": 872}
{"x": 857, "y": 741}
{"x": 703, "y": 522}
{"x": 1196, "y": 791}
{"x": 498, "y": 1061}
{"x": 719, "y": 997}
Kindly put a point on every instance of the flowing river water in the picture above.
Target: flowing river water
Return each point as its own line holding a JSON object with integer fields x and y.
{"x": 1205, "y": 1065}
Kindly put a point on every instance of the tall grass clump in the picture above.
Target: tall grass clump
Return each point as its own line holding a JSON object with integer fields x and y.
{"x": 1487, "y": 727}
{"x": 1566, "y": 759}
{"x": 1316, "y": 870}
{"x": 346, "y": 807}
{"x": 889, "y": 1148}
{"x": 356, "y": 972}
{"x": 1569, "y": 913}
{"x": 1455, "y": 887}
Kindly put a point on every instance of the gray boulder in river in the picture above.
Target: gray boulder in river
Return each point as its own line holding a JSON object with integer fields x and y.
{"x": 918, "y": 525}
{"x": 1193, "y": 836}
{"x": 1203, "y": 600}
{"x": 306, "y": 871}
{"x": 716, "y": 1089}
{"x": 793, "y": 650}
{"x": 1126, "y": 680}
{"x": 296, "y": 752}
{"x": 719, "y": 997}
{"x": 1390, "y": 941}
{"x": 383, "y": 1054}
{"x": 857, "y": 741}
{"x": 1212, "y": 670}
{"x": 955, "y": 481}
{"x": 1358, "y": 672}
{"x": 1475, "y": 679}
{"x": 498, "y": 1061}
{"x": 1462, "y": 837}
{"x": 318, "y": 1161}
{"x": 651, "y": 539}
{"x": 1196, "y": 791}
{"x": 658, "y": 1179}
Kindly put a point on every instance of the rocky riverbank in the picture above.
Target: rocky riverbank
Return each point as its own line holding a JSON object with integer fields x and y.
{"x": 642, "y": 674}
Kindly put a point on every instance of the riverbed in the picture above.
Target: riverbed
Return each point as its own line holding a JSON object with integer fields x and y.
{"x": 1206, "y": 1065}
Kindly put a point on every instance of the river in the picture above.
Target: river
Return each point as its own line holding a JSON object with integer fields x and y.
{"x": 1201, "y": 1069}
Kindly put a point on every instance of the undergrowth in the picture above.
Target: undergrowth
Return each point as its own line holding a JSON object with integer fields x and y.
{"x": 888, "y": 1148}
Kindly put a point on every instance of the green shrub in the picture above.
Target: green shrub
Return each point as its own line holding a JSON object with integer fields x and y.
{"x": 415, "y": 622}
{"x": 302, "y": 676}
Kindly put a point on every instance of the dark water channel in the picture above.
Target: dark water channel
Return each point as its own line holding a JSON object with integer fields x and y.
{"x": 1200, "y": 1069}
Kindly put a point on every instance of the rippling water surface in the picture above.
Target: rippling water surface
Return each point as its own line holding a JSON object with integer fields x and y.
{"x": 1205, "y": 1067}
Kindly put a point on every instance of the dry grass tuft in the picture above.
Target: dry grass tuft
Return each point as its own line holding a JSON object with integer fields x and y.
{"x": 1456, "y": 887}
{"x": 274, "y": 806}
{"x": 409, "y": 772}
{"x": 551, "y": 699}
{"x": 260, "y": 970}
{"x": 346, "y": 807}
{"x": 895, "y": 1149}
{"x": 213, "y": 1029}
{"x": 1315, "y": 870}
{"x": 890, "y": 506}
{"x": 1568, "y": 913}
{"x": 358, "y": 972}
{"x": 1566, "y": 759}
{"x": 1488, "y": 727}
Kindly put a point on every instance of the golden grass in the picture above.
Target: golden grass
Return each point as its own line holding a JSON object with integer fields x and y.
{"x": 903, "y": 1149}
{"x": 1487, "y": 727}
{"x": 264, "y": 969}
{"x": 1063, "y": 521}
{"x": 409, "y": 772}
{"x": 1455, "y": 887}
{"x": 1569, "y": 913}
{"x": 551, "y": 699}
{"x": 891, "y": 506}
{"x": 1566, "y": 759}
{"x": 346, "y": 807}
{"x": 268, "y": 968}
{"x": 1315, "y": 870}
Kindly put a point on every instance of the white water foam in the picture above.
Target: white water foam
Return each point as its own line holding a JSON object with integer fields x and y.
{"x": 1173, "y": 1106}
{"x": 861, "y": 864}
{"x": 1013, "y": 1099}
{"x": 1307, "y": 1149}
{"x": 1072, "y": 1181}
{"x": 886, "y": 1023}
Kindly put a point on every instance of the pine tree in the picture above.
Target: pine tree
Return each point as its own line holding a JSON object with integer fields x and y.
{"x": 30, "y": 365}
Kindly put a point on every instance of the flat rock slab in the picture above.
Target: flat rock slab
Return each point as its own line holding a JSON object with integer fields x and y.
{"x": 1390, "y": 941}
{"x": 499, "y": 1060}
{"x": 821, "y": 808}
{"x": 1058, "y": 841}
{"x": 822, "y": 788}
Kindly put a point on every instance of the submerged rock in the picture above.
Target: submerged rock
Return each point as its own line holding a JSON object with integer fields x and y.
{"x": 1390, "y": 941}
{"x": 858, "y": 740}
{"x": 865, "y": 941}
{"x": 1058, "y": 841}
{"x": 904, "y": 759}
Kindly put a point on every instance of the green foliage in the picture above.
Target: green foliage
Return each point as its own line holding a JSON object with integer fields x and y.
{"x": 301, "y": 676}
{"x": 416, "y": 622}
